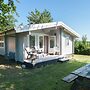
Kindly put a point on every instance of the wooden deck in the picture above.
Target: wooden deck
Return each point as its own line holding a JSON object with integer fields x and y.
{"x": 46, "y": 60}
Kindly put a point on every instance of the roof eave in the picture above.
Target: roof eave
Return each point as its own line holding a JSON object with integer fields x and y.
{"x": 69, "y": 30}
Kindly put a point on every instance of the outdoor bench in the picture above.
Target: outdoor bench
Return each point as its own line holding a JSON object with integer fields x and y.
{"x": 70, "y": 78}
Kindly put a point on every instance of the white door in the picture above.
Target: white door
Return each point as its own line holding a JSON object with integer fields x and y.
{"x": 52, "y": 43}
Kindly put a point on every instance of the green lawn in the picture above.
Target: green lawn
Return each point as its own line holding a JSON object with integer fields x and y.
{"x": 13, "y": 77}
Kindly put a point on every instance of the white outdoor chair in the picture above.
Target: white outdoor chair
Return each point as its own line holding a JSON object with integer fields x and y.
{"x": 31, "y": 55}
{"x": 56, "y": 50}
{"x": 28, "y": 52}
{"x": 40, "y": 53}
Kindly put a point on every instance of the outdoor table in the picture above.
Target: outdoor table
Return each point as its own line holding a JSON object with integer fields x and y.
{"x": 83, "y": 71}
{"x": 83, "y": 80}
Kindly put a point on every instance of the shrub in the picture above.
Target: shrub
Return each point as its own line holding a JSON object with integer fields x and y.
{"x": 79, "y": 47}
{"x": 82, "y": 47}
{"x": 86, "y": 51}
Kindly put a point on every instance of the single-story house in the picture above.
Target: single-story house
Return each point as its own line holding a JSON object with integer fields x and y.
{"x": 47, "y": 37}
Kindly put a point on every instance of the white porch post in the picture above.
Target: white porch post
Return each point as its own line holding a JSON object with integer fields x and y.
{"x": 29, "y": 39}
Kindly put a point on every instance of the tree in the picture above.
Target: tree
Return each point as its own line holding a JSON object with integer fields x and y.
{"x": 46, "y": 17}
{"x": 38, "y": 17}
{"x": 84, "y": 40}
{"x": 81, "y": 47}
{"x": 7, "y": 9}
{"x": 34, "y": 17}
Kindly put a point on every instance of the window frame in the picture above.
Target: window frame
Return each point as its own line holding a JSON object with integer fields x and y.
{"x": 30, "y": 41}
{"x": 54, "y": 41}
{"x": 39, "y": 42}
{"x": 67, "y": 41}
{"x": 2, "y": 41}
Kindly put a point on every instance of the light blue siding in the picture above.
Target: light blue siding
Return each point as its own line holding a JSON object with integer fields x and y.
{"x": 67, "y": 49}
{"x": 20, "y": 46}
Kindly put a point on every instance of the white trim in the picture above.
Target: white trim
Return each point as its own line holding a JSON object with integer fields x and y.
{"x": 52, "y": 49}
{"x": 2, "y": 41}
{"x": 54, "y": 41}
{"x": 30, "y": 40}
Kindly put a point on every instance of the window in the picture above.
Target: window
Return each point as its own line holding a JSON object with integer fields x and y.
{"x": 41, "y": 41}
{"x": 52, "y": 42}
{"x": 67, "y": 41}
{"x": 1, "y": 44}
{"x": 32, "y": 41}
{"x": 1, "y": 38}
{"x": 1, "y": 41}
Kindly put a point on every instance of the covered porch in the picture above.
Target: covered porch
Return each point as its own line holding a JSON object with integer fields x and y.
{"x": 46, "y": 40}
{"x": 48, "y": 43}
{"x": 48, "y": 59}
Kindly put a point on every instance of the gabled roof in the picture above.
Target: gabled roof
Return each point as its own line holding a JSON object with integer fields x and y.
{"x": 34, "y": 27}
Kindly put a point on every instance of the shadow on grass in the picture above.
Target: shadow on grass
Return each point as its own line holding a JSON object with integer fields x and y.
{"x": 13, "y": 77}
{"x": 5, "y": 61}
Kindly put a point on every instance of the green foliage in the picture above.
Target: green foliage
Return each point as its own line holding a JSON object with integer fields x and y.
{"x": 7, "y": 9}
{"x": 46, "y": 17}
{"x": 86, "y": 51}
{"x": 84, "y": 40}
{"x": 38, "y": 17}
{"x": 88, "y": 44}
{"x": 78, "y": 47}
{"x": 82, "y": 47}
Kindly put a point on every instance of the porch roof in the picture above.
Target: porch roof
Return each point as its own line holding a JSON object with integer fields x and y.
{"x": 34, "y": 27}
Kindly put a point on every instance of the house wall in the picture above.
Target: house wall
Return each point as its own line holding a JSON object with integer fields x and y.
{"x": 67, "y": 43}
{"x": 10, "y": 44}
{"x": 21, "y": 43}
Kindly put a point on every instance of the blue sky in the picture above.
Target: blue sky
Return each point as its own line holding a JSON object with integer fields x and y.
{"x": 74, "y": 13}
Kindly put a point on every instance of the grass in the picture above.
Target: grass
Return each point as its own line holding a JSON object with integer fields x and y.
{"x": 13, "y": 77}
